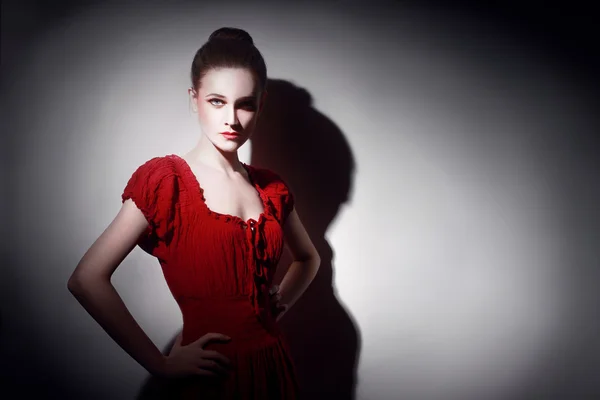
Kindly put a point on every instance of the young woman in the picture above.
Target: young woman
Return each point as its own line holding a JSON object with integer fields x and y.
{"x": 217, "y": 226}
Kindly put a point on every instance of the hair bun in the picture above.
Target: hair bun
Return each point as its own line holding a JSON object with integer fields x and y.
{"x": 227, "y": 33}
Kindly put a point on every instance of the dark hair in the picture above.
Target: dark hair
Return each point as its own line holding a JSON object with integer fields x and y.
{"x": 231, "y": 48}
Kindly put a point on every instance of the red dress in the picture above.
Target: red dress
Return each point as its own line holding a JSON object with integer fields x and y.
{"x": 219, "y": 269}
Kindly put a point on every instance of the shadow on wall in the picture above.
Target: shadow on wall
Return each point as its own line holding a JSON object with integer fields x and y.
{"x": 313, "y": 157}
{"x": 311, "y": 154}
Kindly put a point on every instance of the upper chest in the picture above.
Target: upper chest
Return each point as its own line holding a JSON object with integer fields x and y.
{"x": 225, "y": 195}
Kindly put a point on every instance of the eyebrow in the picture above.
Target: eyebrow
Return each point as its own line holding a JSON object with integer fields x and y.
{"x": 251, "y": 97}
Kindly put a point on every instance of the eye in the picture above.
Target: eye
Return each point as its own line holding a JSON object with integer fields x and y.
{"x": 248, "y": 106}
{"x": 211, "y": 102}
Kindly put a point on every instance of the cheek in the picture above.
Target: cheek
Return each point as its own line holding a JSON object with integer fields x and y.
{"x": 207, "y": 120}
{"x": 204, "y": 114}
{"x": 246, "y": 118}
{"x": 208, "y": 117}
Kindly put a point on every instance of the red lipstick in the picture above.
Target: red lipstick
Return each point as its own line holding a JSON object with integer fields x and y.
{"x": 230, "y": 135}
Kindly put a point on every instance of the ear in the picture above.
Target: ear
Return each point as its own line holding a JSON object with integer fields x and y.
{"x": 192, "y": 99}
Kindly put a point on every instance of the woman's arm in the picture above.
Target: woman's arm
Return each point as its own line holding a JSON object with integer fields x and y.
{"x": 90, "y": 284}
{"x": 306, "y": 260}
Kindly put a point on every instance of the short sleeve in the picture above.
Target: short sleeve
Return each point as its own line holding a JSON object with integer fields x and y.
{"x": 288, "y": 200}
{"x": 152, "y": 187}
{"x": 281, "y": 193}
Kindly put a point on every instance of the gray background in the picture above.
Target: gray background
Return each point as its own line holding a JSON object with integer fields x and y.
{"x": 444, "y": 160}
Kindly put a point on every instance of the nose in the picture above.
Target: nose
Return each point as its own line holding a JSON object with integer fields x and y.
{"x": 231, "y": 117}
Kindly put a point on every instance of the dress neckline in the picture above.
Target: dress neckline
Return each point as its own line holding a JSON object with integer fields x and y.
{"x": 187, "y": 170}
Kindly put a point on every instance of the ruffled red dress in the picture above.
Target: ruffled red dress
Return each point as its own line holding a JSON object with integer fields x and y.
{"x": 219, "y": 269}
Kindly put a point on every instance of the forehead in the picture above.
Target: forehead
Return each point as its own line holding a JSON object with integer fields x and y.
{"x": 229, "y": 82}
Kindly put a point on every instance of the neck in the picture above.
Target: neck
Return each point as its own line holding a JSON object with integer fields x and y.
{"x": 206, "y": 153}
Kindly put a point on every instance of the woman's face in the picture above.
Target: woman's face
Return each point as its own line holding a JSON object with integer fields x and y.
{"x": 227, "y": 101}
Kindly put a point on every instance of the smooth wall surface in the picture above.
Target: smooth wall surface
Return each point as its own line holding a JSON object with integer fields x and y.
{"x": 444, "y": 162}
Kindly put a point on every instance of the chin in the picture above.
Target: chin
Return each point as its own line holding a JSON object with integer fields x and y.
{"x": 228, "y": 147}
{"x": 229, "y": 150}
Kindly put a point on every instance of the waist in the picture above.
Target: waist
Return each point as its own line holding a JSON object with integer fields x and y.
{"x": 233, "y": 316}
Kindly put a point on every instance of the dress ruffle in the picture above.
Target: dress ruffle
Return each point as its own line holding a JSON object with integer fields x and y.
{"x": 279, "y": 192}
{"x": 278, "y": 201}
{"x": 153, "y": 188}
{"x": 261, "y": 266}
{"x": 219, "y": 269}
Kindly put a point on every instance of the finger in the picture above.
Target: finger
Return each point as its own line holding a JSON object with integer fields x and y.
{"x": 211, "y": 336}
{"x": 216, "y": 356}
{"x": 274, "y": 289}
{"x": 282, "y": 307}
{"x": 213, "y": 366}
{"x": 204, "y": 372}
{"x": 178, "y": 340}
{"x": 276, "y": 296}
{"x": 279, "y": 304}
{"x": 276, "y": 305}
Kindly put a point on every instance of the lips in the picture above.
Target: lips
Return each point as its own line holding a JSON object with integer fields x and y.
{"x": 230, "y": 135}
